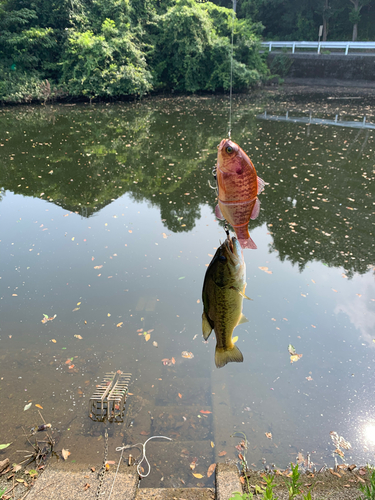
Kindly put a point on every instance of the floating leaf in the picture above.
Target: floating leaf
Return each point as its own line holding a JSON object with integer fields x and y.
{"x": 182, "y": 278}
{"x": 78, "y": 337}
{"x": 205, "y": 412}
{"x": 265, "y": 269}
{"x": 234, "y": 339}
{"x": 212, "y": 446}
{"x": 268, "y": 435}
{"x": 27, "y": 406}
{"x": 295, "y": 357}
{"x": 54, "y": 341}
{"x": 155, "y": 344}
{"x": 147, "y": 337}
{"x": 187, "y": 355}
{"x": 291, "y": 349}
{"x": 222, "y": 453}
{"x": 3, "y": 446}
{"x": 119, "y": 325}
{"x": 180, "y": 395}
{"x": 198, "y": 476}
{"x": 39, "y": 406}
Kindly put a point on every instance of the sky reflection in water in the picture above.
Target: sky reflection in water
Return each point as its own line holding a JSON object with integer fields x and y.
{"x": 110, "y": 207}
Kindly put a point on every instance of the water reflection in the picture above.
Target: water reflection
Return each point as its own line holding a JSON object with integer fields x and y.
{"x": 134, "y": 255}
{"x": 223, "y": 293}
{"x": 318, "y": 205}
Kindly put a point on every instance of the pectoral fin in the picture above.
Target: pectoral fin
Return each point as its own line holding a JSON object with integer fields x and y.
{"x": 243, "y": 319}
{"x": 256, "y": 210}
{"x": 218, "y": 213}
{"x": 206, "y": 327}
{"x": 261, "y": 184}
{"x": 244, "y": 296}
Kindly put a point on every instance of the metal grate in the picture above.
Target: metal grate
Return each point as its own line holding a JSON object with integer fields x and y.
{"x": 108, "y": 401}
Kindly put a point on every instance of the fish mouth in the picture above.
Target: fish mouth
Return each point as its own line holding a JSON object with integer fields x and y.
{"x": 233, "y": 248}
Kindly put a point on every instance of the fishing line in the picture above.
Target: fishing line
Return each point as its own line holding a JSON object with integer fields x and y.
{"x": 231, "y": 72}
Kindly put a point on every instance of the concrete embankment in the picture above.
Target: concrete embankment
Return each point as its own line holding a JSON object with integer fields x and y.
{"x": 325, "y": 69}
{"x": 59, "y": 482}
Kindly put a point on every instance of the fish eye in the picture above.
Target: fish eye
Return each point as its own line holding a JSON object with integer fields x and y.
{"x": 229, "y": 150}
{"x": 222, "y": 258}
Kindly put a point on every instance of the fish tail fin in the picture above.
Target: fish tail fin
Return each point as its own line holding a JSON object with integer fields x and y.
{"x": 222, "y": 357}
{"x": 243, "y": 236}
{"x": 249, "y": 243}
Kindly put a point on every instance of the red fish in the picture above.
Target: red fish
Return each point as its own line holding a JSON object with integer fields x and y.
{"x": 238, "y": 189}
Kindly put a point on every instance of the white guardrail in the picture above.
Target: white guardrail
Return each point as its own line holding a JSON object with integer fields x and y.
{"x": 317, "y": 46}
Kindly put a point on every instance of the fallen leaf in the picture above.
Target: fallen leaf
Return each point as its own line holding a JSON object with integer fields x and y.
{"x": 155, "y": 344}
{"x": 180, "y": 395}
{"x": 54, "y": 341}
{"x": 119, "y": 325}
{"x": 334, "y": 473}
{"x": 265, "y": 269}
{"x": 147, "y": 337}
{"x": 144, "y": 433}
{"x": 198, "y": 476}
{"x": 268, "y": 435}
{"x": 222, "y": 453}
{"x": 65, "y": 453}
{"x": 78, "y": 337}
{"x": 211, "y": 470}
{"x": 295, "y": 357}
{"x": 291, "y": 349}
{"x": 98, "y": 267}
{"x": 234, "y": 339}
{"x": 3, "y": 446}
{"x": 187, "y": 355}
{"x": 27, "y": 406}
{"x": 38, "y": 406}
{"x": 206, "y": 412}
{"x": 86, "y": 486}
{"x": 212, "y": 444}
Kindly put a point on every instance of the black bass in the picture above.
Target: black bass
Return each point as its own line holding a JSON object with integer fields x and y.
{"x": 223, "y": 293}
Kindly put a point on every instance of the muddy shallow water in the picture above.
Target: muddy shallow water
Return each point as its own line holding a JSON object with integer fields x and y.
{"x": 108, "y": 223}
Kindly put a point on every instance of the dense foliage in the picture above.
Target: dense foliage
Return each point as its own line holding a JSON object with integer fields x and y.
{"x": 113, "y": 48}
{"x": 300, "y": 19}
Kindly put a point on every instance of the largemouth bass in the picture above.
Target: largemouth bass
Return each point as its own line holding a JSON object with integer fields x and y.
{"x": 223, "y": 293}
{"x": 238, "y": 189}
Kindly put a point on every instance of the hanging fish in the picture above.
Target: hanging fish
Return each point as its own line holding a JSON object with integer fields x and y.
{"x": 238, "y": 189}
{"x": 223, "y": 293}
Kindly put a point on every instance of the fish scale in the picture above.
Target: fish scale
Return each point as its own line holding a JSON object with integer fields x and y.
{"x": 223, "y": 293}
{"x": 238, "y": 189}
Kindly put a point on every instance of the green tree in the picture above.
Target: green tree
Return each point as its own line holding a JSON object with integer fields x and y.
{"x": 109, "y": 64}
{"x": 355, "y": 15}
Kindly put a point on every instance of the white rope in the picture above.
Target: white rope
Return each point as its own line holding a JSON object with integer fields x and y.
{"x": 122, "y": 448}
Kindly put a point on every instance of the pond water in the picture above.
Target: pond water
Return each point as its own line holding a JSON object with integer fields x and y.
{"x": 107, "y": 221}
